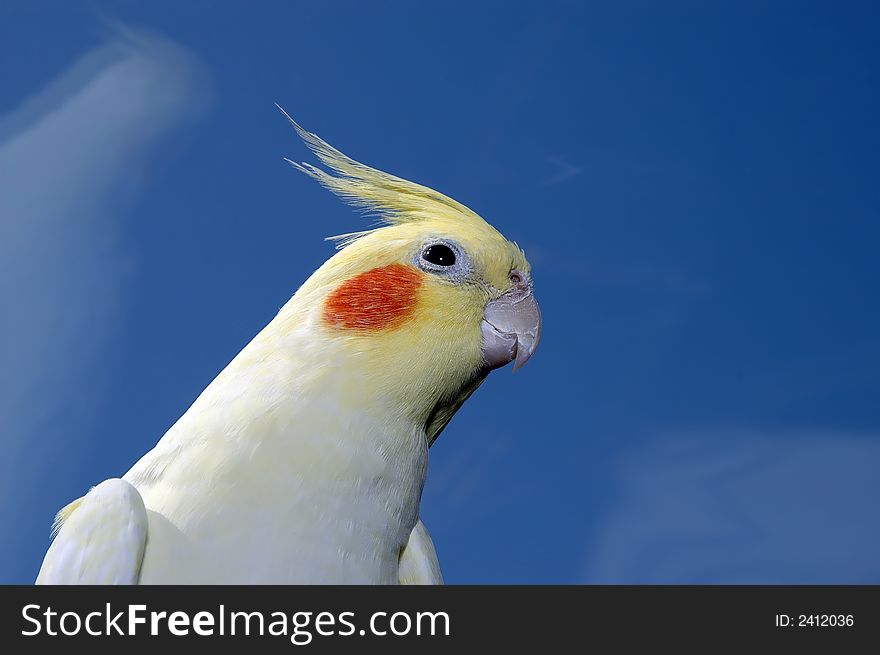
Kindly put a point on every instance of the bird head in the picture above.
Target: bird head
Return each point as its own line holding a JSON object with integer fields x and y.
{"x": 424, "y": 307}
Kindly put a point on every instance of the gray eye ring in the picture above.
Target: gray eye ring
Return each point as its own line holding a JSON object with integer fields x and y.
{"x": 449, "y": 258}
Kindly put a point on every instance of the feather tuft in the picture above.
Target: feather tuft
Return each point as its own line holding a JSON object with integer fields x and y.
{"x": 392, "y": 199}
{"x": 62, "y": 515}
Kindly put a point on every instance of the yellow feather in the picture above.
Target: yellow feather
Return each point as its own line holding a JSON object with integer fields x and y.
{"x": 64, "y": 514}
{"x": 395, "y": 201}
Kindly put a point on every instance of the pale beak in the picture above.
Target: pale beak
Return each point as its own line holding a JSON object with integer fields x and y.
{"x": 511, "y": 326}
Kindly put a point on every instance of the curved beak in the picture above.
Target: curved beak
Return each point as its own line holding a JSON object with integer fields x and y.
{"x": 511, "y": 326}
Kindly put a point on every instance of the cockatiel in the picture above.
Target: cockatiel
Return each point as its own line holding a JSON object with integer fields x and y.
{"x": 304, "y": 460}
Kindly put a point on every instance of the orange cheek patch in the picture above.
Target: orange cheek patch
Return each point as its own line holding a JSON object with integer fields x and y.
{"x": 377, "y": 299}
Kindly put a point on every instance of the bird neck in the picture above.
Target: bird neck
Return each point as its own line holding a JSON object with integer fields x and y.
{"x": 292, "y": 396}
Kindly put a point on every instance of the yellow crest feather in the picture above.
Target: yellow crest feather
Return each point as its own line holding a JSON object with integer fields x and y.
{"x": 393, "y": 199}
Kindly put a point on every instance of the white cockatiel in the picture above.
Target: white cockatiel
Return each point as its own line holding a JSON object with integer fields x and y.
{"x": 304, "y": 460}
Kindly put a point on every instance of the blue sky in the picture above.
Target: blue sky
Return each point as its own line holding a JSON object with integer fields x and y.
{"x": 695, "y": 185}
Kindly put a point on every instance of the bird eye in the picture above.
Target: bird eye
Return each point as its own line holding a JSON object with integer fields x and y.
{"x": 439, "y": 255}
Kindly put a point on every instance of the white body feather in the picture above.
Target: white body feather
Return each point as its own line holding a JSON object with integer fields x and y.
{"x": 286, "y": 469}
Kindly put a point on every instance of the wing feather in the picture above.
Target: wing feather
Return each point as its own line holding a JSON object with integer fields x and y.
{"x": 418, "y": 560}
{"x": 100, "y": 538}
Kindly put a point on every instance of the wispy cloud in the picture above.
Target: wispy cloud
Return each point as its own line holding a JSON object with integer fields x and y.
{"x": 71, "y": 161}
{"x": 740, "y": 507}
{"x": 563, "y": 170}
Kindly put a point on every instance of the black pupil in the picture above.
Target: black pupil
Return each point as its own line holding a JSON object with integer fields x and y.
{"x": 440, "y": 255}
